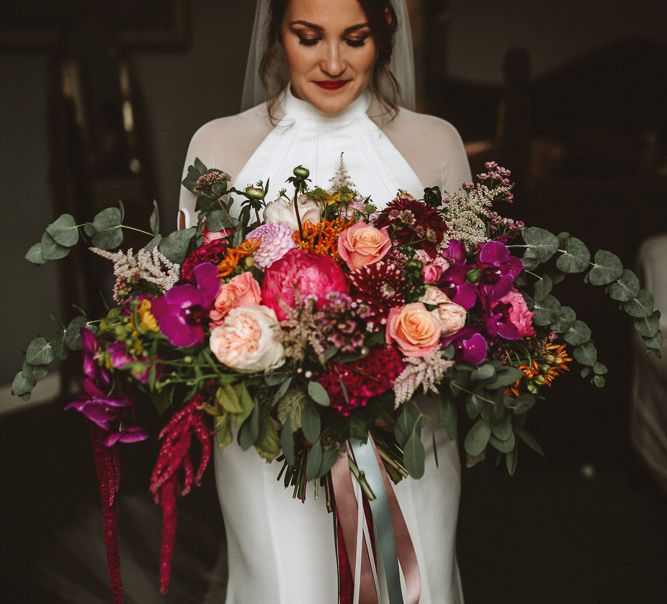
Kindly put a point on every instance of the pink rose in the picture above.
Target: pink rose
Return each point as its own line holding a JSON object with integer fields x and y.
{"x": 215, "y": 235}
{"x": 451, "y": 315}
{"x": 240, "y": 291}
{"x": 415, "y": 329}
{"x": 433, "y": 267}
{"x": 518, "y": 314}
{"x": 247, "y": 341}
{"x": 305, "y": 272}
{"x": 362, "y": 244}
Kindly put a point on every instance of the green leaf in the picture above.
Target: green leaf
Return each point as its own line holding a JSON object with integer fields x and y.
{"x": 73, "y": 333}
{"x": 599, "y": 381}
{"x": 641, "y": 305}
{"x": 153, "y": 243}
{"x": 575, "y": 258}
{"x": 223, "y": 430}
{"x": 543, "y": 288}
{"x": 329, "y": 458}
{"x": 655, "y": 343}
{"x": 405, "y": 424}
{"x": 565, "y": 319}
{"x": 414, "y": 455}
{"x": 108, "y": 240}
{"x": 522, "y": 404}
{"x": 529, "y": 440}
{"x": 607, "y": 268}
{"x": 247, "y": 404}
{"x": 175, "y": 246}
{"x": 108, "y": 219}
{"x": 505, "y": 377}
{"x": 314, "y": 461}
{"x": 562, "y": 238}
{"x": 249, "y": 431}
{"x": 586, "y": 354}
{"x": 154, "y": 220}
{"x": 474, "y": 406}
{"x": 34, "y": 373}
{"x": 585, "y": 372}
{"x": 317, "y": 392}
{"x": 282, "y": 390}
{"x": 504, "y": 446}
{"x": 228, "y": 399}
{"x": 648, "y": 326}
{"x": 64, "y": 230}
{"x": 578, "y": 333}
{"x": 21, "y": 386}
{"x": 477, "y": 438}
{"x": 52, "y": 250}
{"x": 218, "y": 220}
{"x": 600, "y": 369}
{"x": 34, "y": 254}
{"x": 310, "y": 423}
{"x": 625, "y": 288}
{"x": 290, "y": 407}
{"x": 503, "y": 431}
{"x": 511, "y": 460}
{"x": 546, "y": 311}
{"x": 541, "y": 244}
{"x": 483, "y": 372}
{"x": 58, "y": 345}
{"x": 287, "y": 441}
{"x": 39, "y": 352}
{"x": 268, "y": 443}
{"x": 164, "y": 399}
{"x": 449, "y": 416}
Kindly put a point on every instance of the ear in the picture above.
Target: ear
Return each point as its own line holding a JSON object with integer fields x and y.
{"x": 388, "y": 16}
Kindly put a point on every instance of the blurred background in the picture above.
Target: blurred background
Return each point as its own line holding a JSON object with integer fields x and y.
{"x": 98, "y": 102}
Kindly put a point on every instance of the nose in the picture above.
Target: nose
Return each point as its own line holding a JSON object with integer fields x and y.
{"x": 333, "y": 62}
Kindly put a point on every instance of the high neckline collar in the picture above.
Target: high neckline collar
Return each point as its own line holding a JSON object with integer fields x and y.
{"x": 300, "y": 110}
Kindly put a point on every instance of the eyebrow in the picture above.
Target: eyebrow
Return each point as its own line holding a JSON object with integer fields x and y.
{"x": 321, "y": 29}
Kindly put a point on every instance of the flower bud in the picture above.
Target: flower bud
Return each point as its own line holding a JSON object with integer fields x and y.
{"x": 473, "y": 275}
{"x": 255, "y": 193}
{"x": 301, "y": 172}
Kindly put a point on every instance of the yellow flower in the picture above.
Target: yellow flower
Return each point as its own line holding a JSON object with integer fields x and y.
{"x": 147, "y": 319}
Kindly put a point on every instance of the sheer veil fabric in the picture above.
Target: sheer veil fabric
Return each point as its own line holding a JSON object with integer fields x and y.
{"x": 402, "y": 61}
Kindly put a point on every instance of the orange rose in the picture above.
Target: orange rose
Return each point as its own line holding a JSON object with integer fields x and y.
{"x": 415, "y": 329}
{"x": 362, "y": 244}
{"x": 242, "y": 290}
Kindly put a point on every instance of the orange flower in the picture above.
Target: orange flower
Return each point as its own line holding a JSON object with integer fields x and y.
{"x": 234, "y": 254}
{"x": 322, "y": 237}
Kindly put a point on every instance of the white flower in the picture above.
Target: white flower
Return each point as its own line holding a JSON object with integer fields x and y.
{"x": 247, "y": 340}
{"x": 282, "y": 210}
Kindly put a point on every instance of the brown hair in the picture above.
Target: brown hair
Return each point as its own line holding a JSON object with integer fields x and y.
{"x": 384, "y": 84}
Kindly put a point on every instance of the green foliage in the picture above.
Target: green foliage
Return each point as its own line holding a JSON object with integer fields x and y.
{"x": 607, "y": 268}
{"x": 154, "y": 220}
{"x": 311, "y": 423}
{"x": 176, "y": 245}
{"x": 575, "y": 257}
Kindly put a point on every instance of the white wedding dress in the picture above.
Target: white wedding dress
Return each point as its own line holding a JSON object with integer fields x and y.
{"x": 281, "y": 551}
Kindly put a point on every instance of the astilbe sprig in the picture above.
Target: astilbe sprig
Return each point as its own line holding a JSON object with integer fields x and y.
{"x": 420, "y": 372}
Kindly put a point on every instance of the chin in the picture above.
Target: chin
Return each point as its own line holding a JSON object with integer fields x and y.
{"x": 332, "y": 101}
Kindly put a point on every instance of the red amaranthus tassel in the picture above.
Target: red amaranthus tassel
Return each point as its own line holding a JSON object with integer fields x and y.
{"x": 174, "y": 456}
{"x": 107, "y": 468}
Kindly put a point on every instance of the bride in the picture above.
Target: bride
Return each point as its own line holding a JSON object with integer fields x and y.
{"x": 331, "y": 72}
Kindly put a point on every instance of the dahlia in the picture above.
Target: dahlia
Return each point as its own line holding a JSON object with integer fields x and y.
{"x": 209, "y": 252}
{"x": 378, "y": 287}
{"x": 275, "y": 241}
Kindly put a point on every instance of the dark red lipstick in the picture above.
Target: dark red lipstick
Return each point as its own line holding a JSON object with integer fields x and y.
{"x": 331, "y": 84}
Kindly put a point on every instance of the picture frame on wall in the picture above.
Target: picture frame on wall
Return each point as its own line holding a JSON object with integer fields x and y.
{"x": 138, "y": 24}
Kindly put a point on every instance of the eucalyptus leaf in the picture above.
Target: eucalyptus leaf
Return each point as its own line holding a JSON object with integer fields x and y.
{"x": 541, "y": 244}
{"x": 503, "y": 431}
{"x": 504, "y": 377}
{"x": 314, "y": 461}
{"x": 578, "y": 333}
{"x": 218, "y": 220}
{"x": 73, "y": 333}
{"x": 329, "y": 458}
{"x": 511, "y": 460}
{"x": 21, "y": 386}
{"x": 108, "y": 219}
{"x": 64, "y": 230}
{"x": 546, "y": 311}
{"x": 317, "y": 392}
{"x": 648, "y": 326}
{"x": 504, "y": 446}
{"x": 522, "y": 404}
{"x": 34, "y": 254}
{"x": 585, "y": 372}
{"x": 449, "y": 416}
{"x": 39, "y": 352}
{"x": 108, "y": 240}
{"x": 274, "y": 379}
{"x": 282, "y": 389}
{"x": 57, "y": 342}
{"x": 51, "y": 249}
{"x": 599, "y": 381}
{"x": 414, "y": 455}
{"x": 575, "y": 258}
{"x": 473, "y": 406}
{"x": 249, "y": 431}
{"x": 562, "y": 238}
{"x": 641, "y": 305}
{"x": 406, "y": 423}
{"x": 34, "y": 373}
{"x": 477, "y": 438}
{"x": 529, "y": 440}
{"x": 600, "y": 369}
{"x": 153, "y": 243}
{"x": 175, "y": 246}
{"x": 154, "y": 220}
{"x": 543, "y": 288}
{"x": 655, "y": 343}
{"x": 607, "y": 268}
{"x": 311, "y": 423}
{"x": 287, "y": 441}
{"x": 483, "y": 372}
{"x": 566, "y": 317}
{"x": 625, "y": 288}
{"x": 291, "y": 407}
{"x": 586, "y": 354}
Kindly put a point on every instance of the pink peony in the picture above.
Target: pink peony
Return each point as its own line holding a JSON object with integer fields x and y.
{"x": 362, "y": 244}
{"x": 415, "y": 329}
{"x": 518, "y": 313}
{"x": 275, "y": 241}
{"x": 240, "y": 291}
{"x": 306, "y": 272}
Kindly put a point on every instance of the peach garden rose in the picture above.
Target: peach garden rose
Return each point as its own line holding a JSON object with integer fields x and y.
{"x": 240, "y": 291}
{"x": 414, "y": 329}
{"x": 362, "y": 244}
{"x": 452, "y": 315}
{"x": 247, "y": 340}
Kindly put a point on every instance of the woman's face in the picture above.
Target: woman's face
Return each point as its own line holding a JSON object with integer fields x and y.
{"x": 330, "y": 52}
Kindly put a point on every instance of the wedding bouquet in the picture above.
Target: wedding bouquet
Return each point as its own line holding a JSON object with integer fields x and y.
{"x": 306, "y": 326}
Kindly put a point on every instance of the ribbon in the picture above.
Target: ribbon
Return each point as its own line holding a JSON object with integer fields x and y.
{"x": 390, "y": 527}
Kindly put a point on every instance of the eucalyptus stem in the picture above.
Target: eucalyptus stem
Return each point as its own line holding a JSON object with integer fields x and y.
{"x": 129, "y": 228}
{"x": 479, "y": 396}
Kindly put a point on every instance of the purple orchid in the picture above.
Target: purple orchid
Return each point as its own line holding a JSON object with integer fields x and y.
{"x": 470, "y": 345}
{"x": 454, "y": 280}
{"x": 499, "y": 323}
{"x": 109, "y": 414}
{"x": 498, "y": 269}
{"x": 181, "y": 312}
{"x": 139, "y": 367}
{"x": 91, "y": 351}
